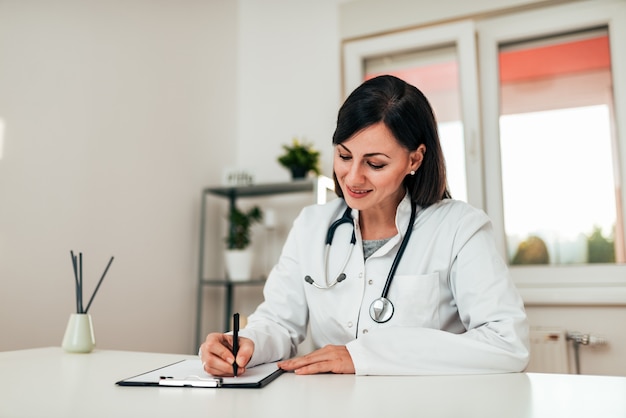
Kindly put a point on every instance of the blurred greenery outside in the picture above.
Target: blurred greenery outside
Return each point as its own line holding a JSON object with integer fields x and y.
{"x": 534, "y": 251}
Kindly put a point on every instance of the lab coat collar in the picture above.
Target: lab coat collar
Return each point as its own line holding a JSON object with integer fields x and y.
{"x": 403, "y": 215}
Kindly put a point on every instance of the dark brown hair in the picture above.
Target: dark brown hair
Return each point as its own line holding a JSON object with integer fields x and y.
{"x": 406, "y": 112}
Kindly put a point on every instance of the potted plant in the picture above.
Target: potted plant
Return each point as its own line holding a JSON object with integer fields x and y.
{"x": 238, "y": 256}
{"x": 300, "y": 158}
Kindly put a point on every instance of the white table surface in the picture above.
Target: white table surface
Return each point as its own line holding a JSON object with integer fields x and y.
{"x": 47, "y": 382}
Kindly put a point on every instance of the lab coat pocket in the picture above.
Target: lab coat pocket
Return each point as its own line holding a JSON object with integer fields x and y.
{"x": 416, "y": 300}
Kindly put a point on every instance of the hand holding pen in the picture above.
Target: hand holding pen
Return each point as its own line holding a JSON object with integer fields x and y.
{"x": 217, "y": 355}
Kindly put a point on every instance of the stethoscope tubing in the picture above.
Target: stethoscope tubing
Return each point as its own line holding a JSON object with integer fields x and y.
{"x": 342, "y": 275}
{"x": 381, "y": 309}
{"x": 396, "y": 260}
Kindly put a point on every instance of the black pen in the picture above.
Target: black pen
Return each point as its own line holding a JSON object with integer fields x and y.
{"x": 235, "y": 341}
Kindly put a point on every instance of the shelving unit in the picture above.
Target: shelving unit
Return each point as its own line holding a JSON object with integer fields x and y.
{"x": 318, "y": 187}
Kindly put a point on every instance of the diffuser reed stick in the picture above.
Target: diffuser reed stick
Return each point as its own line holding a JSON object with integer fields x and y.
{"x": 77, "y": 264}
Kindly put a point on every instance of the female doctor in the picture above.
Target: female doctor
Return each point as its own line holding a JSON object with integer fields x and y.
{"x": 393, "y": 278}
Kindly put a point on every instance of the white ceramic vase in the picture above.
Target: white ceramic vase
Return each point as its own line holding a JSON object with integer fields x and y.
{"x": 79, "y": 336}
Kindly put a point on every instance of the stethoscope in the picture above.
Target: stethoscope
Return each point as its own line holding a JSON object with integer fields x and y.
{"x": 381, "y": 309}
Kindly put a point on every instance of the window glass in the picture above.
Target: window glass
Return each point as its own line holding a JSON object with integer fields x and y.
{"x": 558, "y": 151}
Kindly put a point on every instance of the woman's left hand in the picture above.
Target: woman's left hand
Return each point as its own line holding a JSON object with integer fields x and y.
{"x": 329, "y": 359}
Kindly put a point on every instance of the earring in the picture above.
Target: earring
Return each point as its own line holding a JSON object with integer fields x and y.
{"x": 412, "y": 172}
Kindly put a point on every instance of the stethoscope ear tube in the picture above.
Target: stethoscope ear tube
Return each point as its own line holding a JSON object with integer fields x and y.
{"x": 346, "y": 218}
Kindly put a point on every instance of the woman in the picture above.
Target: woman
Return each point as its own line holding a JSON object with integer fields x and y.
{"x": 454, "y": 308}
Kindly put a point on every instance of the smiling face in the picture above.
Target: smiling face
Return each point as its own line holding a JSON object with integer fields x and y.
{"x": 370, "y": 167}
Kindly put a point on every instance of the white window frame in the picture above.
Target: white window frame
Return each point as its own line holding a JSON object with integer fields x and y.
{"x": 459, "y": 34}
{"x": 552, "y": 285}
{"x": 555, "y": 285}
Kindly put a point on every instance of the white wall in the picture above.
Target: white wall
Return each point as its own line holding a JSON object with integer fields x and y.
{"x": 289, "y": 81}
{"x": 366, "y": 17}
{"x": 112, "y": 111}
{"x": 117, "y": 114}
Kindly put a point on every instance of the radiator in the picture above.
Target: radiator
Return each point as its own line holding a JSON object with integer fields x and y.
{"x": 548, "y": 351}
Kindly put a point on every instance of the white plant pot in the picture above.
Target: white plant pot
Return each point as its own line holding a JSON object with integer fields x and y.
{"x": 238, "y": 264}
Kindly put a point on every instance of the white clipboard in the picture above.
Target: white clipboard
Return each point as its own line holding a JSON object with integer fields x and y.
{"x": 190, "y": 373}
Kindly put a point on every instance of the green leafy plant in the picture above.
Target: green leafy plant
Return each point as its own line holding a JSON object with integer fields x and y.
{"x": 300, "y": 156}
{"x": 240, "y": 222}
{"x": 600, "y": 249}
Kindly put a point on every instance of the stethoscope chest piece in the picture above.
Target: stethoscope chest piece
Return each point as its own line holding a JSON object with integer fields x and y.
{"x": 381, "y": 310}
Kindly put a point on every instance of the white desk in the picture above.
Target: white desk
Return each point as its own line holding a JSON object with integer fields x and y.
{"x": 48, "y": 382}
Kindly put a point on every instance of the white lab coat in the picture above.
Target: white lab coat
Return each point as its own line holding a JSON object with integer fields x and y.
{"x": 456, "y": 308}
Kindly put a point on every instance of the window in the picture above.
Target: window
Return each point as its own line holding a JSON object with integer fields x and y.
{"x": 544, "y": 149}
{"x": 556, "y": 146}
{"x": 582, "y": 83}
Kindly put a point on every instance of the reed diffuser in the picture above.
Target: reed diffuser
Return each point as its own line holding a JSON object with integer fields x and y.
{"x": 79, "y": 335}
